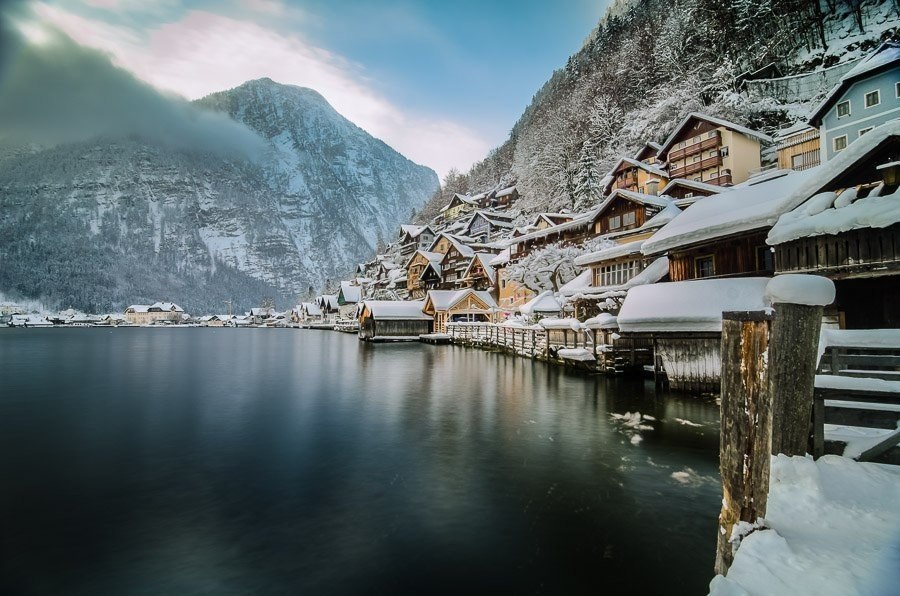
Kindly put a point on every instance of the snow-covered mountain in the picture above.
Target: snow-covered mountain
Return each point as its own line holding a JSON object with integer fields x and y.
{"x": 99, "y": 224}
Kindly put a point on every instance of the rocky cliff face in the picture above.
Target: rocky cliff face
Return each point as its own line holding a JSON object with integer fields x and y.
{"x": 101, "y": 224}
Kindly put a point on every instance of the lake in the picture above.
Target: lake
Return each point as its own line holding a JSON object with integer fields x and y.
{"x": 282, "y": 461}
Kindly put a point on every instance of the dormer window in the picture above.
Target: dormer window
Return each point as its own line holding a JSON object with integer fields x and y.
{"x": 843, "y": 109}
{"x": 615, "y": 222}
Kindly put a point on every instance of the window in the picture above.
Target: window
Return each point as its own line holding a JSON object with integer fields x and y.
{"x": 695, "y": 159}
{"x": 843, "y": 109}
{"x": 616, "y": 274}
{"x": 615, "y": 222}
{"x": 713, "y": 175}
{"x": 839, "y": 143}
{"x": 723, "y": 151}
{"x": 711, "y": 134}
{"x": 765, "y": 258}
{"x": 688, "y": 195}
{"x": 863, "y": 131}
{"x": 628, "y": 218}
{"x": 698, "y": 179}
{"x": 873, "y": 98}
{"x": 897, "y": 89}
{"x": 797, "y": 161}
{"x": 705, "y": 266}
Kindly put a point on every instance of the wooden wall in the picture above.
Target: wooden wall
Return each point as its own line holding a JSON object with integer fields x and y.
{"x": 733, "y": 257}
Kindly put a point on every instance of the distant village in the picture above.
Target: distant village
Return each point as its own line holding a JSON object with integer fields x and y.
{"x": 688, "y": 227}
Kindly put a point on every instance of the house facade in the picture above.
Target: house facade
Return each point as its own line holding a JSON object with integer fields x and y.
{"x": 712, "y": 150}
{"x": 866, "y": 97}
{"x": 142, "y": 314}
{"x": 798, "y": 147}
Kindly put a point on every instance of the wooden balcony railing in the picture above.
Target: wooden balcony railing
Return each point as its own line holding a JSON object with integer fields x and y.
{"x": 697, "y": 166}
{"x": 703, "y": 145}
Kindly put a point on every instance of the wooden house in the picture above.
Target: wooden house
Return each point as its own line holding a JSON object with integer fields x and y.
{"x": 649, "y": 153}
{"x": 310, "y": 312}
{"x": 393, "y": 320}
{"x": 480, "y": 275}
{"x": 867, "y": 96}
{"x": 685, "y": 192}
{"x": 454, "y": 264}
{"x": 467, "y": 305}
{"x": 542, "y": 221}
{"x": 712, "y": 150}
{"x": 503, "y": 198}
{"x": 798, "y": 147}
{"x": 724, "y": 235}
{"x": 329, "y": 306}
{"x": 638, "y": 176}
{"x": 423, "y": 273}
{"x": 348, "y": 297}
{"x": 848, "y": 229}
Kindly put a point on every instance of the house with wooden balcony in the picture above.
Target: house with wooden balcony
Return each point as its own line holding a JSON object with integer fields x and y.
{"x": 867, "y": 96}
{"x": 454, "y": 264}
{"x": 798, "y": 147}
{"x": 846, "y": 226}
{"x": 413, "y": 238}
{"x": 480, "y": 275}
{"x": 418, "y": 280}
{"x": 637, "y": 176}
{"x": 624, "y": 211}
{"x": 649, "y": 153}
{"x": 503, "y": 198}
{"x": 712, "y": 150}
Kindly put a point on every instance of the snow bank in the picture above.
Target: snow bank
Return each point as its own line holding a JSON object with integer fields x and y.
{"x": 688, "y": 306}
{"x": 544, "y": 302}
{"x": 835, "y": 530}
{"x": 842, "y": 215}
{"x": 602, "y": 321}
{"x": 573, "y": 324}
{"x": 812, "y": 290}
{"x": 579, "y": 354}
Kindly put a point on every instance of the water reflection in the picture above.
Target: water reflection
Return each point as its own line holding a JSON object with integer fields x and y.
{"x": 228, "y": 461}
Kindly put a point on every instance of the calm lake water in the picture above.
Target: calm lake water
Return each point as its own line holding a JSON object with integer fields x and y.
{"x": 235, "y": 461}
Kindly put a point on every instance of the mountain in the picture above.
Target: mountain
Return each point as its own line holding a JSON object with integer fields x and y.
{"x": 102, "y": 223}
{"x": 649, "y": 63}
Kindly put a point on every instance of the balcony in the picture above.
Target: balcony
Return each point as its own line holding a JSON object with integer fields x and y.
{"x": 703, "y": 145}
{"x": 697, "y": 166}
{"x": 723, "y": 179}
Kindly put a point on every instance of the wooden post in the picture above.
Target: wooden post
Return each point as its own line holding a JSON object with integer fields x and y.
{"x": 793, "y": 351}
{"x": 746, "y": 430}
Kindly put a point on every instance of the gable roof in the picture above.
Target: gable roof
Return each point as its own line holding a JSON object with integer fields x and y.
{"x": 457, "y": 197}
{"x": 544, "y": 302}
{"x": 349, "y": 293}
{"x": 506, "y": 191}
{"x": 639, "y": 164}
{"x": 484, "y": 258}
{"x": 649, "y": 145}
{"x": 396, "y": 309}
{"x": 446, "y": 299}
{"x": 884, "y": 57}
{"x": 667, "y": 145}
{"x": 496, "y": 222}
{"x": 552, "y": 218}
{"x": 431, "y": 257}
{"x": 693, "y": 185}
{"x": 635, "y": 197}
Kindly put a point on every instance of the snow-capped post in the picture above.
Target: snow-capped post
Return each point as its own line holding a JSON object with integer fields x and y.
{"x": 746, "y": 427}
{"x": 793, "y": 355}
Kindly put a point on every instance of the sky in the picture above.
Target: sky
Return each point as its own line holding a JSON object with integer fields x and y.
{"x": 441, "y": 81}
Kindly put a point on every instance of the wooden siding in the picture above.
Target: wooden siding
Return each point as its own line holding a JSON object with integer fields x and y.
{"x": 733, "y": 257}
{"x": 620, "y": 207}
{"x": 866, "y": 252}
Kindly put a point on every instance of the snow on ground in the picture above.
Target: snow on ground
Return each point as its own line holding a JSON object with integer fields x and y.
{"x": 834, "y": 529}
{"x": 813, "y": 290}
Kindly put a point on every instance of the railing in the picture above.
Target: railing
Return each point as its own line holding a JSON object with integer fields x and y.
{"x": 697, "y": 166}
{"x": 703, "y": 145}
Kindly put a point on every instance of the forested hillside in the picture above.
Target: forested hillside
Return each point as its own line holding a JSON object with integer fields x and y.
{"x": 646, "y": 65}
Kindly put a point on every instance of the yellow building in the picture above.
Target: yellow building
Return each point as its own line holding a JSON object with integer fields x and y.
{"x": 711, "y": 150}
{"x": 142, "y": 314}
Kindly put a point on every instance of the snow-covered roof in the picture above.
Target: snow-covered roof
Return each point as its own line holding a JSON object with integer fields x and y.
{"x": 311, "y": 308}
{"x": 828, "y": 213}
{"x": 743, "y": 208}
{"x": 460, "y": 197}
{"x": 328, "y": 301}
{"x": 138, "y": 308}
{"x": 166, "y": 306}
{"x": 350, "y": 292}
{"x": 648, "y": 145}
{"x": 689, "y": 306}
{"x": 484, "y": 258}
{"x": 545, "y": 302}
{"x": 637, "y": 197}
{"x": 667, "y": 144}
{"x": 579, "y": 283}
{"x": 651, "y": 274}
{"x": 501, "y": 259}
{"x": 447, "y": 299}
{"x": 639, "y": 164}
{"x": 397, "y": 309}
{"x": 604, "y": 320}
{"x": 693, "y": 185}
{"x": 551, "y": 218}
{"x": 582, "y": 219}
{"x": 795, "y": 128}
{"x": 432, "y": 257}
{"x": 506, "y": 191}
{"x": 414, "y": 231}
{"x": 885, "y": 56}
{"x": 610, "y": 252}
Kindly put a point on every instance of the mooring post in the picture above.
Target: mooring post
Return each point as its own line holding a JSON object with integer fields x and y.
{"x": 746, "y": 427}
{"x": 793, "y": 353}
{"x": 799, "y": 301}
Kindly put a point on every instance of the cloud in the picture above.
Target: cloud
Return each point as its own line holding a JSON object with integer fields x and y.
{"x": 203, "y": 52}
{"x": 55, "y": 91}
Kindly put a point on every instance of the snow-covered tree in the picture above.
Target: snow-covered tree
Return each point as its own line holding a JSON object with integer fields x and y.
{"x": 552, "y": 266}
